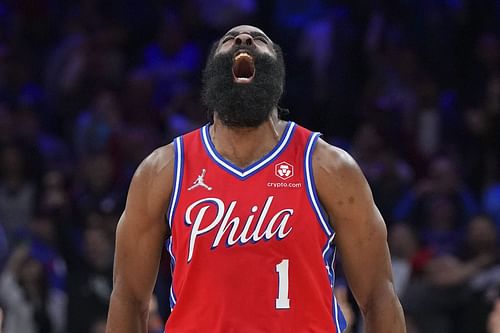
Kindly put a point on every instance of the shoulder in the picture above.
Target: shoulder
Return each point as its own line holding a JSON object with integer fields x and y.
{"x": 333, "y": 162}
{"x": 337, "y": 176}
{"x": 153, "y": 178}
{"x": 342, "y": 188}
{"x": 159, "y": 162}
{"x": 150, "y": 189}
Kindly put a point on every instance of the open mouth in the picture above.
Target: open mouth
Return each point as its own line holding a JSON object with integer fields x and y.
{"x": 243, "y": 68}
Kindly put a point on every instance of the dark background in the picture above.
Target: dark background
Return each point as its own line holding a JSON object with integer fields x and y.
{"x": 89, "y": 88}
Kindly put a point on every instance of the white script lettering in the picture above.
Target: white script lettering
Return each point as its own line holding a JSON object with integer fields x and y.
{"x": 265, "y": 228}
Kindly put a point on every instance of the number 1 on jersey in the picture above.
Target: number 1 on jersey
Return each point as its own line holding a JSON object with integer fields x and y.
{"x": 282, "y": 302}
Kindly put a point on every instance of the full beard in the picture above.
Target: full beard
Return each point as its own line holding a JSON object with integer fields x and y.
{"x": 242, "y": 104}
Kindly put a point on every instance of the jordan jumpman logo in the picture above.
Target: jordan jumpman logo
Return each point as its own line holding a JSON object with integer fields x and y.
{"x": 200, "y": 181}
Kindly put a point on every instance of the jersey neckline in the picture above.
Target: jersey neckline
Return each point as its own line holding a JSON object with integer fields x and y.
{"x": 243, "y": 173}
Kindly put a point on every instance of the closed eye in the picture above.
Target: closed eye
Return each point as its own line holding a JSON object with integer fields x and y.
{"x": 262, "y": 39}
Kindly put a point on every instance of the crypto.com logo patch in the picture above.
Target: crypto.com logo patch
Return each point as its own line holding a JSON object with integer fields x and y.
{"x": 283, "y": 170}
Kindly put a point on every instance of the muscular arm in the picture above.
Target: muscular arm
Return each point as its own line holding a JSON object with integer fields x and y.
{"x": 361, "y": 237}
{"x": 139, "y": 239}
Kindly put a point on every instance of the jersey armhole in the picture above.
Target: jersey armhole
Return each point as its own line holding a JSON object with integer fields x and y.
{"x": 329, "y": 250}
{"x": 174, "y": 198}
{"x": 312, "y": 193}
{"x": 177, "y": 180}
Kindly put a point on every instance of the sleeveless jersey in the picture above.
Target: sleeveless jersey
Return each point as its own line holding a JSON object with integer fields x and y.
{"x": 252, "y": 249}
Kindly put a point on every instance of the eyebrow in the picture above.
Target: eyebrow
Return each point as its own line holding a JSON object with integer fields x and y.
{"x": 251, "y": 33}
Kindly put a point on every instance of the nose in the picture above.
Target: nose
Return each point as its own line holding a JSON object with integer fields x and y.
{"x": 244, "y": 39}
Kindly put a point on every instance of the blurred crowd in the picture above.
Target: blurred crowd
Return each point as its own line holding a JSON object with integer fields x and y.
{"x": 89, "y": 88}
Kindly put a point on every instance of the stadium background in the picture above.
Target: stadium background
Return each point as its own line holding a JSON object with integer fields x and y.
{"x": 88, "y": 88}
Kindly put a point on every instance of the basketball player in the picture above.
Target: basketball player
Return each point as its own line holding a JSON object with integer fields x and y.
{"x": 256, "y": 207}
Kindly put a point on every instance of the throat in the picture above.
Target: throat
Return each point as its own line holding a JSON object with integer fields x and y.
{"x": 242, "y": 146}
{"x": 243, "y": 159}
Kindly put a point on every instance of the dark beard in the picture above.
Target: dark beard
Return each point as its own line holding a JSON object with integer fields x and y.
{"x": 243, "y": 105}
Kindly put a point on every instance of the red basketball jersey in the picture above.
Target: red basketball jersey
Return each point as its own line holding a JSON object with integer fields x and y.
{"x": 251, "y": 248}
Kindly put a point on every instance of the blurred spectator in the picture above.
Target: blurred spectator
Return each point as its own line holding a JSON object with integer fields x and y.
{"x": 26, "y": 295}
{"x": 388, "y": 175}
{"x": 481, "y": 242}
{"x": 97, "y": 126}
{"x": 17, "y": 192}
{"x": 443, "y": 181}
{"x": 64, "y": 74}
{"x": 441, "y": 231}
{"x": 98, "y": 191}
{"x": 172, "y": 60}
{"x": 135, "y": 145}
{"x": 452, "y": 294}
{"x": 53, "y": 194}
{"x": 138, "y": 96}
{"x": 43, "y": 248}
{"x": 428, "y": 120}
{"x": 316, "y": 48}
{"x": 475, "y": 148}
{"x": 90, "y": 282}
{"x": 395, "y": 69}
{"x": 183, "y": 114}
{"x": 403, "y": 245}
{"x": 107, "y": 58}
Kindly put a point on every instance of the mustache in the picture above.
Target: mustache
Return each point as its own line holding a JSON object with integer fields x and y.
{"x": 229, "y": 55}
{"x": 242, "y": 48}
{"x": 263, "y": 62}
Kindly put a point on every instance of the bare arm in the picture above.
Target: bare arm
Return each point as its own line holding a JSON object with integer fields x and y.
{"x": 361, "y": 237}
{"x": 139, "y": 239}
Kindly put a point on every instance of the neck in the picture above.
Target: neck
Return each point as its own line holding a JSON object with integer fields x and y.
{"x": 245, "y": 145}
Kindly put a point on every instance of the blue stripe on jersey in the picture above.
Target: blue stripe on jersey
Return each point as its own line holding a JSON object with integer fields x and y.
{"x": 329, "y": 250}
{"x": 178, "y": 168}
{"x": 311, "y": 187}
{"x": 254, "y": 167}
{"x": 329, "y": 258}
{"x": 340, "y": 322}
{"x": 174, "y": 198}
{"x": 172, "y": 297}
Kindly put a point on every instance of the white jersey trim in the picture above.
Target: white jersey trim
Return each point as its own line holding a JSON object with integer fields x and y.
{"x": 250, "y": 170}
{"x": 177, "y": 182}
{"x": 311, "y": 187}
{"x": 329, "y": 251}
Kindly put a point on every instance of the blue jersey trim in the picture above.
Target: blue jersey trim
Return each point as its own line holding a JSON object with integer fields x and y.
{"x": 340, "y": 322}
{"x": 174, "y": 198}
{"x": 329, "y": 250}
{"x": 311, "y": 187}
{"x": 254, "y": 167}
{"x": 178, "y": 170}
{"x": 329, "y": 255}
{"x": 172, "y": 297}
